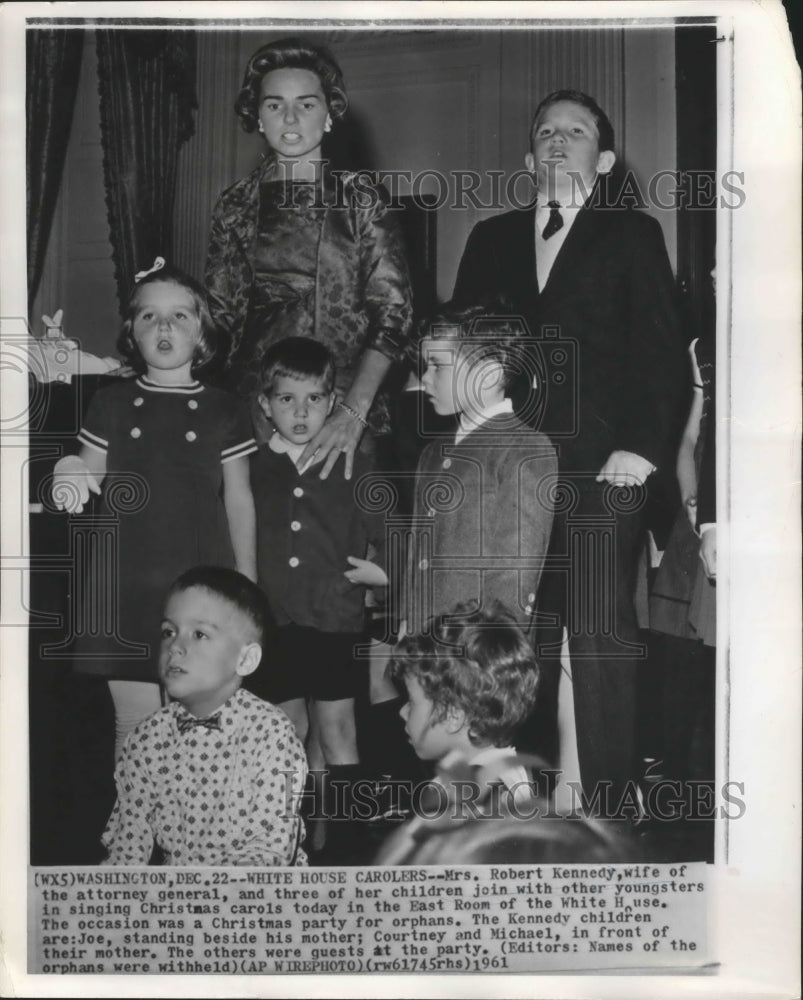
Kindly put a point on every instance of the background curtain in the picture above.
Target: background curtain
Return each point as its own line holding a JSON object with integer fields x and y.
{"x": 147, "y": 98}
{"x": 53, "y": 64}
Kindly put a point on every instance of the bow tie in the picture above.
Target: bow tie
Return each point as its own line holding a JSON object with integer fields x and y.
{"x": 187, "y": 722}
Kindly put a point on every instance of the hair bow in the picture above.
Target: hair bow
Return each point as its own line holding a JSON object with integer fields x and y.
{"x": 158, "y": 264}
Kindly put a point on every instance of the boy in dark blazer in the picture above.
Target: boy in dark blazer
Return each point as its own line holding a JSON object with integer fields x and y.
{"x": 595, "y": 285}
{"x": 482, "y": 507}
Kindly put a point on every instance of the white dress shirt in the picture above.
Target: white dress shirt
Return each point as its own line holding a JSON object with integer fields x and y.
{"x": 471, "y": 421}
{"x": 547, "y": 250}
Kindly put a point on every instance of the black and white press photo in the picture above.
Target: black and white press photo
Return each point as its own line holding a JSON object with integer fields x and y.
{"x": 399, "y": 476}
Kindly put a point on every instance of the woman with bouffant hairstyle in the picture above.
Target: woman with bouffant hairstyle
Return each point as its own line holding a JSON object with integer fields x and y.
{"x": 289, "y": 54}
{"x": 297, "y": 249}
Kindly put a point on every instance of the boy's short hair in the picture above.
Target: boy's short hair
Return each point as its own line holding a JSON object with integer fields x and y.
{"x": 489, "y": 329}
{"x": 604, "y": 127}
{"x": 207, "y": 345}
{"x": 233, "y": 587}
{"x": 478, "y": 662}
{"x": 300, "y": 358}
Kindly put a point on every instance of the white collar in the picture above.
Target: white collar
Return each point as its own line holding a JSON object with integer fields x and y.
{"x": 471, "y": 423}
{"x": 491, "y": 755}
{"x": 284, "y": 447}
{"x": 568, "y": 205}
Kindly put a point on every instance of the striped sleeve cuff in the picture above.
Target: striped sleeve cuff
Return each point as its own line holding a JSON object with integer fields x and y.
{"x": 238, "y": 451}
{"x": 93, "y": 441}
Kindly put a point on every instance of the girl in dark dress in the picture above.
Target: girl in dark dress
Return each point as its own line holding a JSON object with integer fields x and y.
{"x": 171, "y": 456}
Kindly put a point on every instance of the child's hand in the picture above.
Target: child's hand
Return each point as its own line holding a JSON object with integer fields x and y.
{"x": 53, "y": 322}
{"x": 365, "y": 573}
{"x": 625, "y": 468}
{"x": 708, "y": 551}
{"x": 72, "y": 483}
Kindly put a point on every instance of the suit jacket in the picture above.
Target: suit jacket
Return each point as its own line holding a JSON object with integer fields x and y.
{"x": 606, "y": 338}
{"x": 480, "y": 506}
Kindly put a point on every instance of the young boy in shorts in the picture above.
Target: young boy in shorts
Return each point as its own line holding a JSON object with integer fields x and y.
{"x": 215, "y": 777}
{"x": 313, "y": 537}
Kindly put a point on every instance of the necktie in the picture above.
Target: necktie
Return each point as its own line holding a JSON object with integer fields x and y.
{"x": 555, "y": 220}
{"x": 187, "y": 722}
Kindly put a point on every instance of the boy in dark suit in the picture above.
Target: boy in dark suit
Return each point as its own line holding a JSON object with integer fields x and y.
{"x": 595, "y": 284}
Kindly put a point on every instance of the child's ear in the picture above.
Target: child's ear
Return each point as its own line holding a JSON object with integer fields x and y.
{"x": 491, "y": 374}
{"x": 249, "y": 660}
{"x": 262, "y": 399}
{"x": 606, "y": 160}
{"x": 455, "y": 720}
{"x": 529, "y": 162}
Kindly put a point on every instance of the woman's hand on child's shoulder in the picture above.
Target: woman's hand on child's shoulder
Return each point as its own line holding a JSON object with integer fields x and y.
{"x": 365, "y": 573}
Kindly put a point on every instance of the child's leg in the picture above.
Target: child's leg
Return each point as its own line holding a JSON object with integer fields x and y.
{"x": 296, "y": 710}
{"x": 315, "y": 818}
{"x": 133, "y": 701}
{"x": 336, "y": 730}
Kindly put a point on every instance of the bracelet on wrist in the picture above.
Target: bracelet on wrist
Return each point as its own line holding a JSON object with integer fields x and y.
{"x": 690, "y": 501}
{"x": 352, "y": 412}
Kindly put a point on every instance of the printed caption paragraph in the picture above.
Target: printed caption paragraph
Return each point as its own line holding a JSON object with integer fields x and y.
{"x": 536, "y": 918}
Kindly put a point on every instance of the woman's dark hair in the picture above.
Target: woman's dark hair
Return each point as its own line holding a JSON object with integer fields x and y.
{"x": 290, "y": 53}
{"x": 604, "y": 127}
{"x": 204, "y": 352}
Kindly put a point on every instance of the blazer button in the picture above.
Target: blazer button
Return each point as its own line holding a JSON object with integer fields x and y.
{"x": 136, "y": 432}
{"x": 193, "y": 404}
{"x": 295, "y": 525}
{"x": 298, "y": 492}
{"x": 293, "y": 561}
{"x": 190, "y": 435}
{"x": 447, "y": 463}
{"x": 139, "y": 401}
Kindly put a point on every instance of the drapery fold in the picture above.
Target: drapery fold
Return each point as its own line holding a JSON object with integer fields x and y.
{"x": 147, "y": 97}
{"x": 53, "y": 65}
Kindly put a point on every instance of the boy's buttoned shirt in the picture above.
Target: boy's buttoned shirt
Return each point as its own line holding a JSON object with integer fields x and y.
{"x": 306, "y": 528}
{"x": 221, "y": 795}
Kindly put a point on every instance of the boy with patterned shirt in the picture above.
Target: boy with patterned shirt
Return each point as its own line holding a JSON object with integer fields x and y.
{"x": 215, "y": 777}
